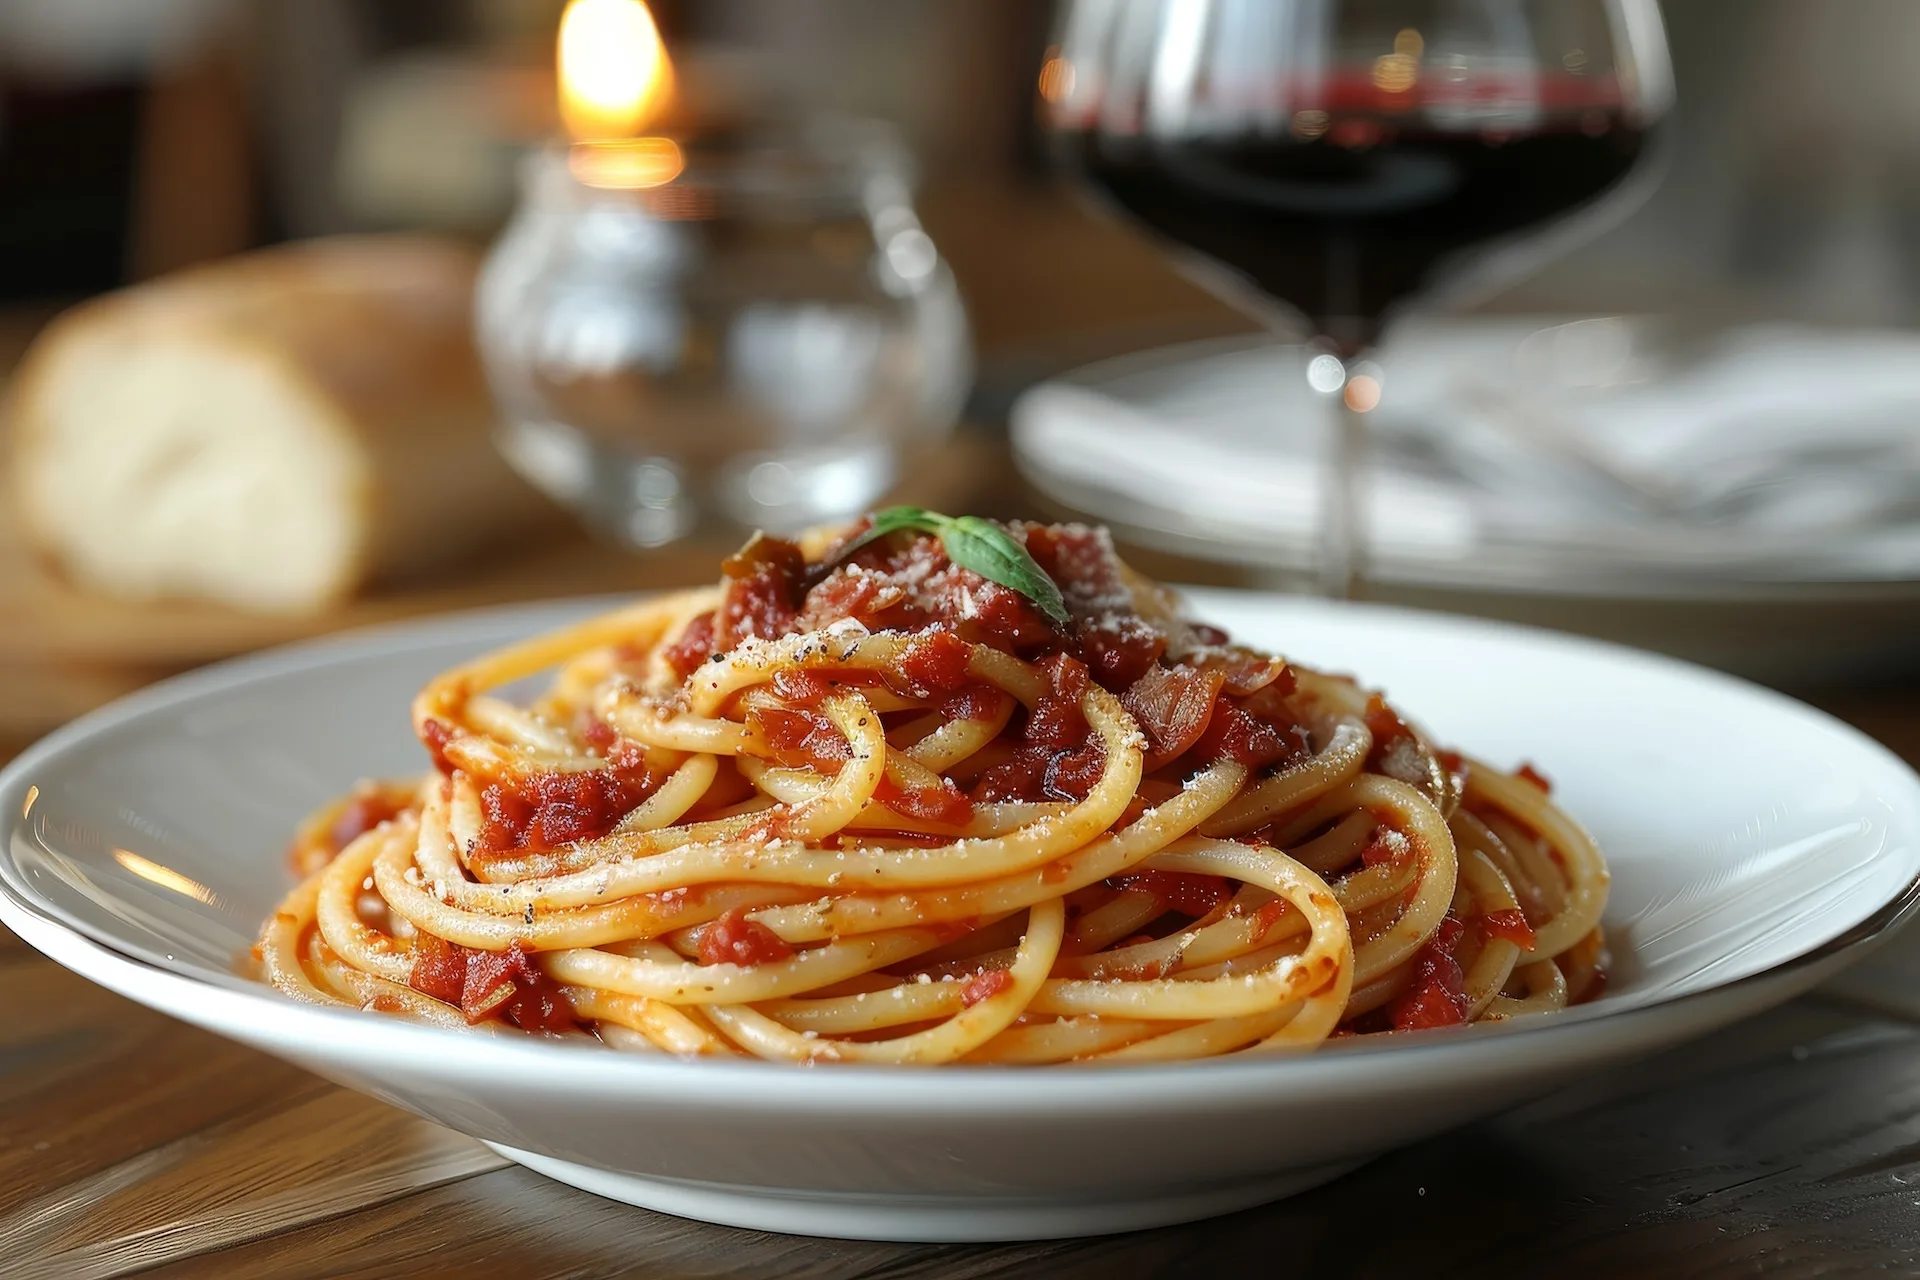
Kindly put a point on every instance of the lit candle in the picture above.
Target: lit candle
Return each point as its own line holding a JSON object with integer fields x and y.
{"x": 615, "y": 80}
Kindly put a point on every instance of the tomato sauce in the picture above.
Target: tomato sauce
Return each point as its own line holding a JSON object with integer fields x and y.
{"x": 1509, "y": 924}
{"x": 735, "y": 939}
{"x": 1056, "y": 719}
{"x": 1120, "y": 648}
{"x": 490, "y": 984}
{"x": 1058, "y": 758}
{"x": 596, "y": 733}
{"x": 1270, "y": 915}
{"x": 1244, "y": 672}
{"x": 1436, "y": 997}
{"x": 1387, "y": 728}
{"x": 436, "y": 734}
{"x": 693, "y": 646}
{"x": 855, "y": 594}
{"x": 800, "y": 687}
{"x": 1173, "y": 706}
{"x": 1189, "y": 893}
{"x": 362, "y": 814}
{"x": 1037, "y": 773}
{"x": 1387, "y": 845}
{"x": 1396, "y": 751}
{"x": 763, "y": 578}
{"x": 1237, "y": 733}
{"x": 802, "y": 739}
{"x": 973, "y": 702}
{"x": 936, "y": 663}
{"x": 943, "y": 804}
{"x": 546, "y": 810}
{"x": 985, "y": 985}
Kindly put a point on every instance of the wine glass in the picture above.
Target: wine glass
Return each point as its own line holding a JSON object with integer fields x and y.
{"x": 1335, "y": 158}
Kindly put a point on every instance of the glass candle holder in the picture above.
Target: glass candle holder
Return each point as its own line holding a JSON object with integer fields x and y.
{"x": 755, "y": 333}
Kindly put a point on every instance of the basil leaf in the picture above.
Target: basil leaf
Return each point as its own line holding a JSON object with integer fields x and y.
{"x": 972, "y": 543}
{"x": 892, "y": 520}
{"x": 990, "y": 551}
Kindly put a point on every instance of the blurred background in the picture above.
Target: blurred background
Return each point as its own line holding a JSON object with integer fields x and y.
{"x": 893, "y": 296}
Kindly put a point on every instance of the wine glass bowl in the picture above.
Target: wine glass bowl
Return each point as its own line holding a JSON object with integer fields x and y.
{"x": 1334, "y": 159}
{"x": 766, "y": 338}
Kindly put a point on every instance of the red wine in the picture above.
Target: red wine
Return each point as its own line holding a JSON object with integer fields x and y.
{"x": 1346, "y": 223}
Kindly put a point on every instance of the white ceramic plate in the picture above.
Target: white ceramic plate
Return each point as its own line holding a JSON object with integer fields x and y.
{"x": 1211, "y": 451}
{"x": 1757, "y": 845}
{"x": 1547, "y": 455}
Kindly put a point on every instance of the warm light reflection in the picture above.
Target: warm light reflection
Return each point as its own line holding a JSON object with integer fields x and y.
{"x": 1056, "y": 78}
{"x": 1363, "y": 393}
{"x": 629, "y": 165}
{"x": 1309, "y": 124}
{"x": 26, "y": 806}
{"x": 166, "y": 877}
{"x": 1395, "y": 72}
{"x": 1399, "y": 71}
{"x": 614, "y": 72}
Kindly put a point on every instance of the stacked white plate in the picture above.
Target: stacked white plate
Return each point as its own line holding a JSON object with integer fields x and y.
{"x": 1547, "y": 469}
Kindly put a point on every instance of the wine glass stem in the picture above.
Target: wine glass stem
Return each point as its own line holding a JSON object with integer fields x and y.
{"x": 1343, "y": 515}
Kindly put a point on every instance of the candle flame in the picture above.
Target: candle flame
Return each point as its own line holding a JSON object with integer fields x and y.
{"x": 627, "y": 164}
{"x": 614, "y": 72}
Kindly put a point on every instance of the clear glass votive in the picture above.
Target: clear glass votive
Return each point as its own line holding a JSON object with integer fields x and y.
{"x": 751, "y": 333}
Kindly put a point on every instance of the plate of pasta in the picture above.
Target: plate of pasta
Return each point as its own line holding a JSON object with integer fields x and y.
{"x": 939, "y": 878}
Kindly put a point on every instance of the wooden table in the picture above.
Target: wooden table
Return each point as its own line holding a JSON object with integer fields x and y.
{"x": 132, "y": 1142}
{"x": 1788, "y": 1146}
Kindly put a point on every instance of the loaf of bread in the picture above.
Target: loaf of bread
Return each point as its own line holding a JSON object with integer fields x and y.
{"x": 275, "y": 431}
